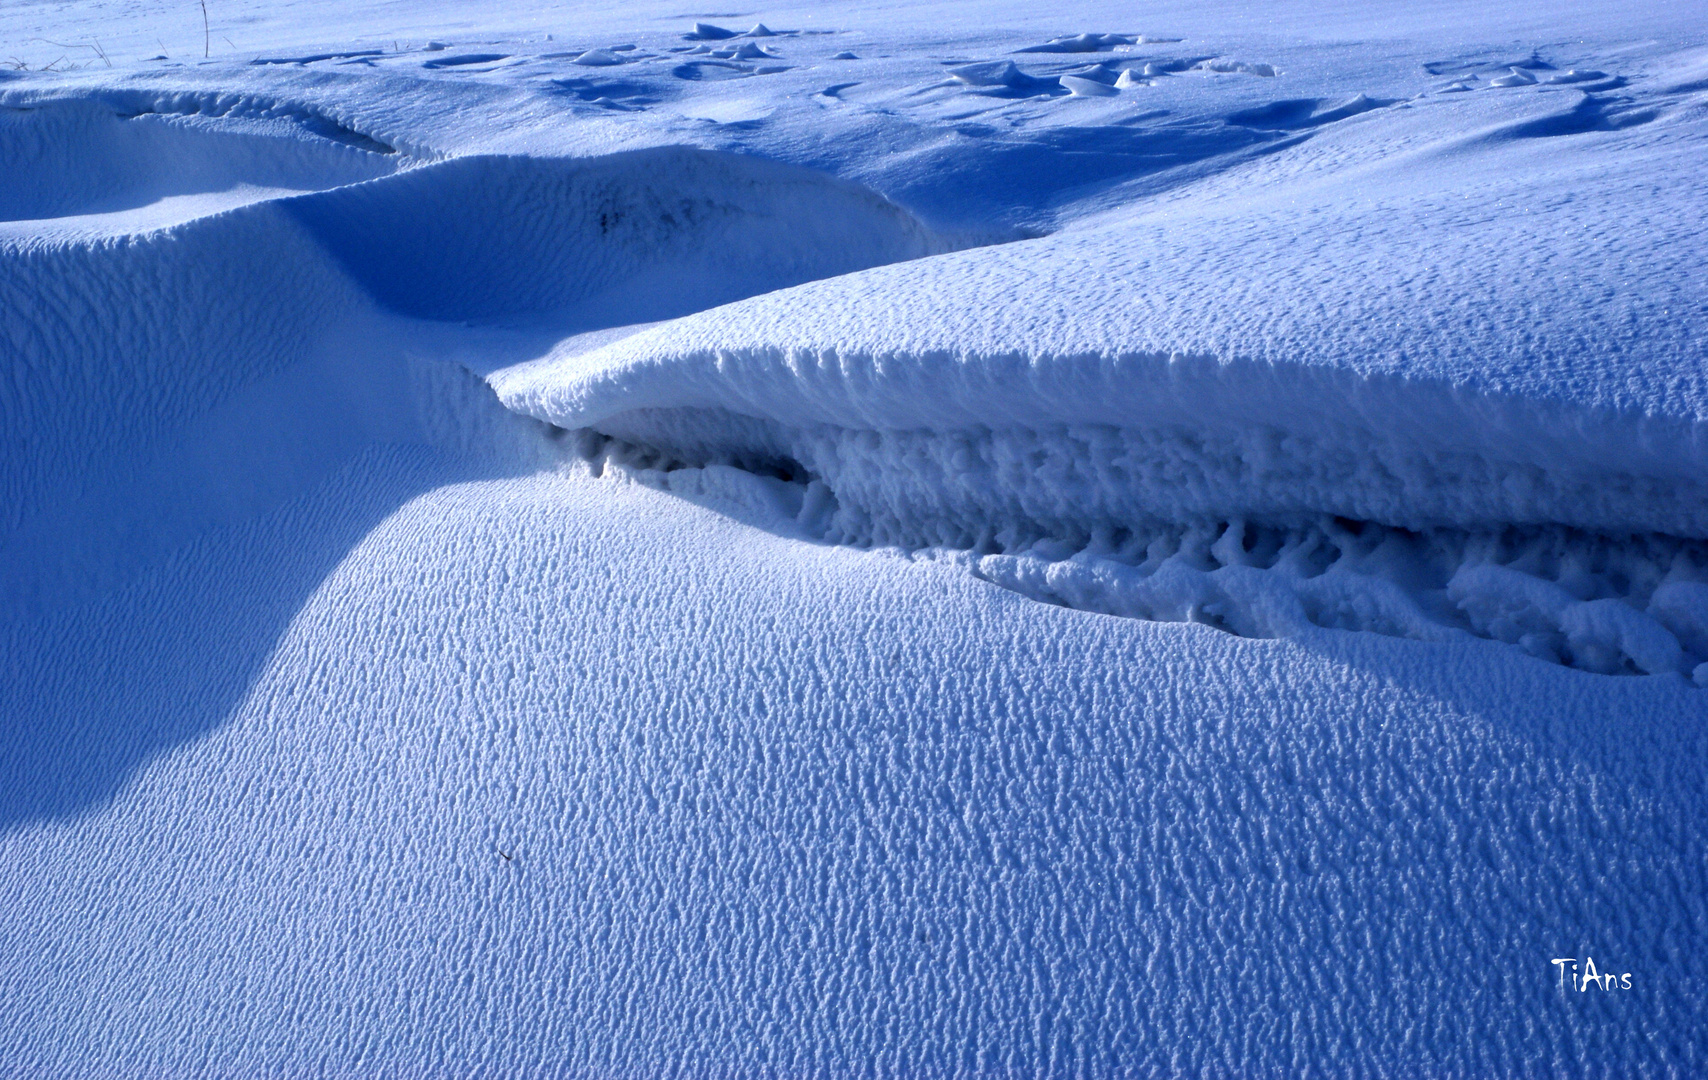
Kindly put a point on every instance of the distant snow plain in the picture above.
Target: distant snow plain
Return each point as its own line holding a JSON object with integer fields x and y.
{"x": 853, "y": 540}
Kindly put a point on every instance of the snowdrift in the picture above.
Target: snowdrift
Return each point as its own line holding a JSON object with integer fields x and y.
{"x": 246, "y": 352}
{"x": 628, "y": 237}
{"x": 1145, "y": 378}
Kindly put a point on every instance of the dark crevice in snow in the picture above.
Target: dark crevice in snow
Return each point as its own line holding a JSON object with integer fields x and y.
{"x": 1611, "y": 605}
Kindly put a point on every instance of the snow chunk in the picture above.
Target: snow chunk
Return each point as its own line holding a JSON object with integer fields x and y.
{"x": 708, "y": 32}
{"x": 1514, "y": 77}
{"x": 1083, "y": 87}
{"x": 1549, "y": 622}
{"x": 1682, "y": 607}
{"x": 999, "y": 73}
{"x": 1204, "y": 575}
{"x": 1228, "y": 67}
{"x": 598, "y": 58}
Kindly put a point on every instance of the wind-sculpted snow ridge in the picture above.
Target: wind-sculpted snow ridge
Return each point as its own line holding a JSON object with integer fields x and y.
{"x": 1095, "y": 413}
{"x": 1261, "y": 496}
{"x": 1263, "y": 501}
{"x": 1112, "y": 653}
{"x": 1195, "y": 363}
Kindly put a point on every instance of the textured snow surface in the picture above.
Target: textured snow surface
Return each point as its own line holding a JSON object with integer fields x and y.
{"x": 961, "y": 540}
{"x": 818, "y": 828}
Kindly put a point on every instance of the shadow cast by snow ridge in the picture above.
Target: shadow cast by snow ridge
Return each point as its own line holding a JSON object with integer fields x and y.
{"x": 95, "y": 690}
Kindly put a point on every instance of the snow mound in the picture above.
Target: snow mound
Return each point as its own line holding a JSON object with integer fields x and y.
{"x": 992, "y": 73}
{"x": 629, "y": 237}
{"x": 1080, "y": 86}
{"x": 465, "y": 60}
{"x": 598, "y": 58}
{"x": 708, "y": 32}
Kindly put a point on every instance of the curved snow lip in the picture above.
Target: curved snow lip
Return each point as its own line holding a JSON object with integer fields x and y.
{"x": 101, "y": 162}
{"x": 958, "y": 440}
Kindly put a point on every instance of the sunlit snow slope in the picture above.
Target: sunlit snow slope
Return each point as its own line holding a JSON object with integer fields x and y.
{"x": 974, "y": 540}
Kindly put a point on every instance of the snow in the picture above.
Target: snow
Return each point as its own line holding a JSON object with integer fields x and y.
{"x": 947, "y": 540}
{"x": 598, "y": 58}
{"x": 127, "y": 163}
{"x": 1080, "y": 86}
